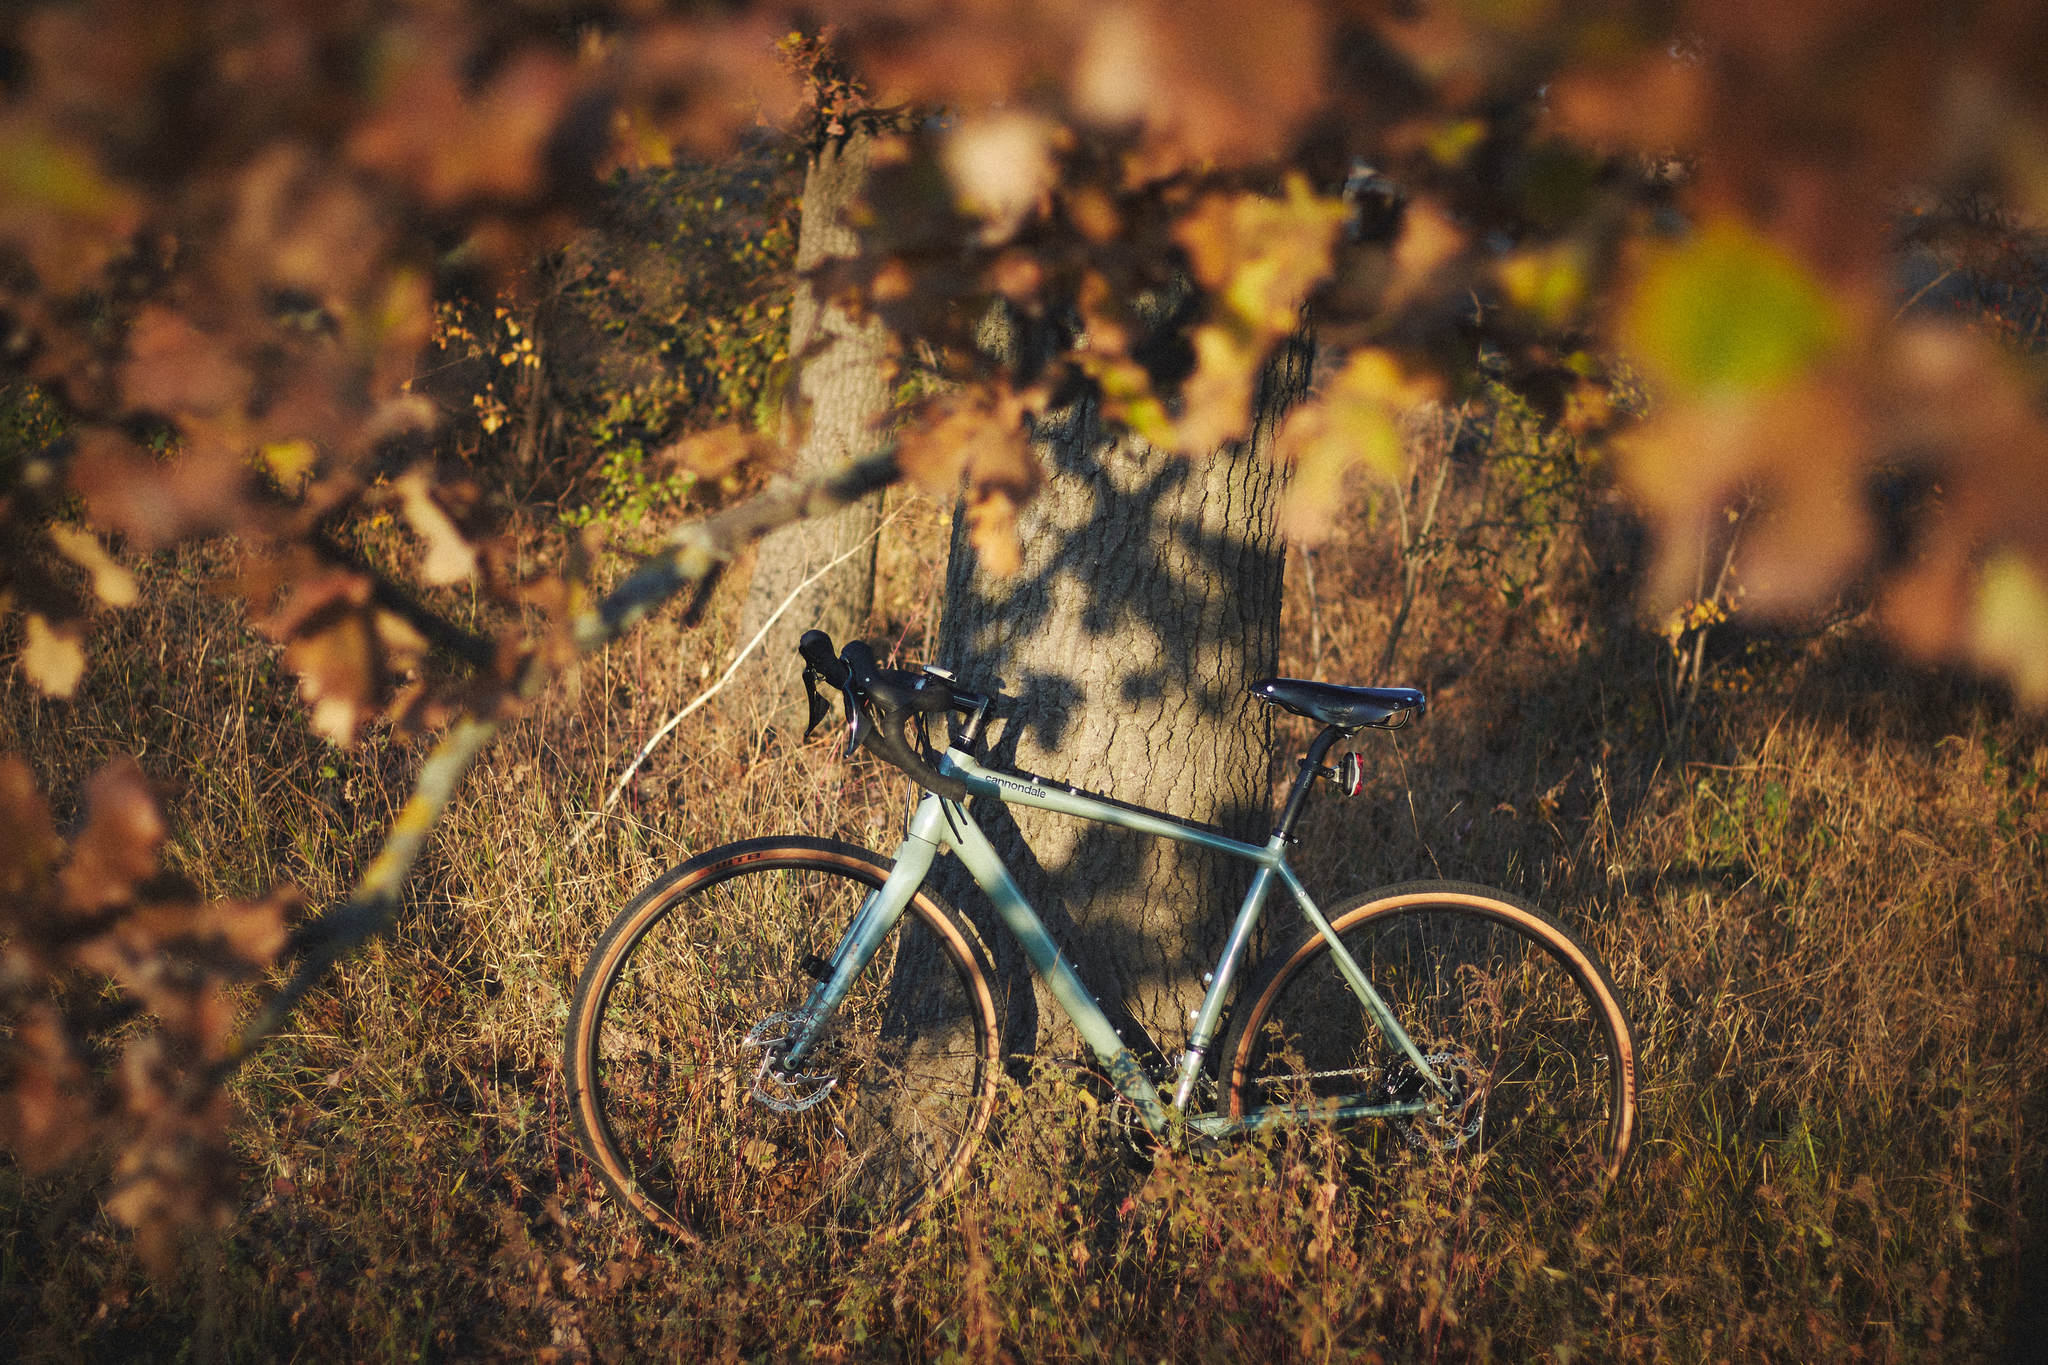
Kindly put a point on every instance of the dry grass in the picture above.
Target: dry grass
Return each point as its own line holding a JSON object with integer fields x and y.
{"x": 1826, "y": 915}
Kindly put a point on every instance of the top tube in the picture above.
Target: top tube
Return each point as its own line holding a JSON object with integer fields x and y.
{"x": 1022, "y": 790}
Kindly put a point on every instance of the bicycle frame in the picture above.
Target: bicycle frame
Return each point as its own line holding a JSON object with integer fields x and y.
{"x": 938, "y": 825}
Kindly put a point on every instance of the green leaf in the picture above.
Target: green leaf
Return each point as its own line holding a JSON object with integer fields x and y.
{"x": 2011, "y": 625}
{"x": 1728, "y": 313}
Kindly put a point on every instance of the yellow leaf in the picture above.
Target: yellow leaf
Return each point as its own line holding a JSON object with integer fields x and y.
{"x": 1548, "y": 282}
{"x": 1358, "y": 419}
{"x": 53, "y": 656}
{"x": 2009, "y": 629}
{"x": 289, "y": 462}
{"x": 450, "y": 557}
{"x": 1262, "y": 255}
{"x": 113, "y": 584}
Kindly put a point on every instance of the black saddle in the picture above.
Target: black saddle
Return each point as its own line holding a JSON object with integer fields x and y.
{"x": 1347, "y": 708}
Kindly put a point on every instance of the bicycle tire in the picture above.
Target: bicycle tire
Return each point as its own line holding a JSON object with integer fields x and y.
{"x": 663, "y": 1084}
{"x": 1494, "y": 991}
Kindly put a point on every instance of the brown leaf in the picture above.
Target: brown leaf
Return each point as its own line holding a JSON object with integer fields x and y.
{"x": 343, "y": 648}
{"x": 57, "y": 201}
{"x": 1205, "y": 76}
{"x": 1653, "y": 104}
{"x": 174, "y": 367}
{"x": 1003, "y": 168}
{"x": 29, "y": 846}
{"x": 704, "y": 82}
{"x": 977, "y": 435}
{"x": 1430, "y": 239}
{"x": 992, "y": 529}
{"x": 117, "y": 849}
{"x": 1800, "y": 451}
{"x": 156, "y": 501}
{"x": 452, "y": 142}
{"x": 45, "y": 1113}
{"x": 252, "y": 931}
{"x": 716, "y": 453}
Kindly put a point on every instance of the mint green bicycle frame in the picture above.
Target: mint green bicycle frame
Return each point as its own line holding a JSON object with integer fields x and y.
{"x": 938, "y": 825}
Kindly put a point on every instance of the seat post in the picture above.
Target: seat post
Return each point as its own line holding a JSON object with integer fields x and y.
{"x": 1311, "y": 764}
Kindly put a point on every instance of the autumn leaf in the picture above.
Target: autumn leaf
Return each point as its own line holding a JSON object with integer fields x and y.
{"x": 1359, "y": 418}
{"x": 1258, "y": 257}
{"x": 175, "y": 367}
{"x": 113, "y": 584}
{"x": 2009, "y": 625}
{"x": 1727, "y": 312}
{"x": 450, "y": 557}
{"x": 53, "y": 654}
{"x": 1801, "y": 450}
{"x": 1003, "y": 169}
{"x": 59, "y": 203}
{"x": 719, "y": 452}
{"x": 117, "y": 849}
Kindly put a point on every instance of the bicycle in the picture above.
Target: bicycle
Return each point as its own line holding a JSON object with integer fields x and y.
{"x": 815, "y": 1042}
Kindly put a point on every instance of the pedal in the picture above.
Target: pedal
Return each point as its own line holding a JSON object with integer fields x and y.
{"x": 815, "y": 967}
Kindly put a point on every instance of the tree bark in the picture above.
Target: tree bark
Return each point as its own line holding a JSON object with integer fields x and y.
{"x": 1149, "y": 598}
{"x": 838, "y": 399}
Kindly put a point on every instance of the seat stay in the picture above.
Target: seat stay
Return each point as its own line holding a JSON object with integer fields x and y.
{"x": 1354, "y": 976}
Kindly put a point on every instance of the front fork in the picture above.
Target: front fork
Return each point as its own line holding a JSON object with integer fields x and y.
{"x": 858, "y": 945}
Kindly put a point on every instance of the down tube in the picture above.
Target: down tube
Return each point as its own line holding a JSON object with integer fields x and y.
{"x": 986, "y": 867}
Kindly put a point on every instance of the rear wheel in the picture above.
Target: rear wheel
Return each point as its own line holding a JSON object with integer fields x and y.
{"x": 1516, "y": 1017}
{"x": 675, "y": 1033}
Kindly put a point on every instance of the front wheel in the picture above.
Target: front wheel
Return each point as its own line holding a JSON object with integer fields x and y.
{"x": 675, "y": 1031}
{"x": 1518, "y": 1020}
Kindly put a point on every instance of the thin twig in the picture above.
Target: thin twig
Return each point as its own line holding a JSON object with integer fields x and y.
{"x": 732, "y": 668}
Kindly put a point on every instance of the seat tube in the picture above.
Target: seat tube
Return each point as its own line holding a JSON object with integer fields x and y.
{"x": 1211, "y": 1011}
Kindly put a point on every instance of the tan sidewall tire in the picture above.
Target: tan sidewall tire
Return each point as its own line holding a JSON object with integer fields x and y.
{"x": 670, "y": 894}
{"x": 1584, "y": 968}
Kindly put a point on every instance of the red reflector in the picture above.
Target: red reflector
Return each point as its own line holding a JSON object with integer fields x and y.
{"x": 1351, "y": 774}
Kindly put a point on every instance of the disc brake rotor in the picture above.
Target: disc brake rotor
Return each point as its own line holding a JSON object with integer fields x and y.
{"x": 1461, "y": 1115}
{"x": 785, "y": 1093}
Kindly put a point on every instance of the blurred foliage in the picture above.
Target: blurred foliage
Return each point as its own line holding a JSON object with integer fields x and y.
{"x": 29, "y": 421}
{"x": 668, "y": 314}
{"x": 231, "y": 231}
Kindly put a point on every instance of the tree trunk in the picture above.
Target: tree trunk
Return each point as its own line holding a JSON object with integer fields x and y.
{"x": 837, "y": 401}
{"x": 1149, "y": 598}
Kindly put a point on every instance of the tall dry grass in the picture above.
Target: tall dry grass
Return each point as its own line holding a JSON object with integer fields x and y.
{"x": 1824, "y": 908}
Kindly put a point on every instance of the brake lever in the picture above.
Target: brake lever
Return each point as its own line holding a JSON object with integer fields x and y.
{"x": 858, "y": 726}
{"x": 820, "y": 708}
